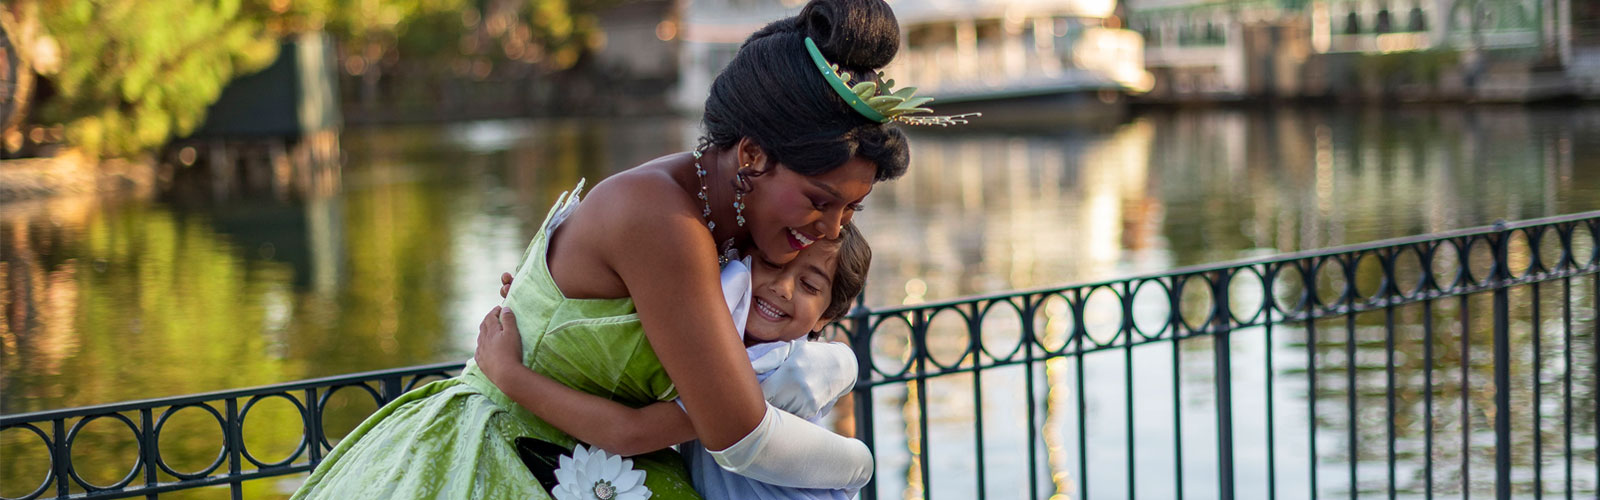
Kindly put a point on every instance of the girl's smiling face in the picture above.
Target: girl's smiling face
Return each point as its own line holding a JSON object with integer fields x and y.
{"x": 787, "y": 300}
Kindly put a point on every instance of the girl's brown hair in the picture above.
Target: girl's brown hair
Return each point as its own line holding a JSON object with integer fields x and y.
{"x": 849, "y": 273}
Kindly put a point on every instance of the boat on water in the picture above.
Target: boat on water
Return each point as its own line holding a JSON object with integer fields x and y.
{"x": 1020, "y": 62}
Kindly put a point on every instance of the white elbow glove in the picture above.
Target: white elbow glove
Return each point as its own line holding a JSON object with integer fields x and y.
{"x": 814, "y": 375}
{"x": 787, "y": 451}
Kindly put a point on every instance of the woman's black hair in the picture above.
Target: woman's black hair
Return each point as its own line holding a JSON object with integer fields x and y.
{"x": 773, "y": 93}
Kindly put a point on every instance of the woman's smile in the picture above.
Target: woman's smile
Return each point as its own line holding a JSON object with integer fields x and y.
{"x": 800, "y": 210}
{"x": 798, "y": 240}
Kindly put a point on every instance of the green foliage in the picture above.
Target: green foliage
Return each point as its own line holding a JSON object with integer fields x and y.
{"x": 435, "y": 29}
{"x": 360, "y": 23}
{"x": 139, "y": 72}
{"x": 136, "y": 72}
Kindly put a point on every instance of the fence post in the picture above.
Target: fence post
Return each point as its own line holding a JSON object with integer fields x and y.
{"x": 232, "y": 440}
{"x": 861, "y": 343}
{"x": 313, "y": 416}
{"x": 1500, "y": 278}
{"x": 392, "y": 388}
{"x": 148, "y": 441}
{"x": 61, "y": 460}
{"x": 1222, "y": 359}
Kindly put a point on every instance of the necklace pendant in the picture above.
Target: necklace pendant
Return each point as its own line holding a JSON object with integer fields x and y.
{"x": 729, "y": 253}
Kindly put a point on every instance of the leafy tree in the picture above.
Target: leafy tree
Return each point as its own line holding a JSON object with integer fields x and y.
{"x": 137, "y": 72}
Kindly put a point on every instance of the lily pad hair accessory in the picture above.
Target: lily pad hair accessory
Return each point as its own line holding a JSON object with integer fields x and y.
{"x": 885, "y": 106}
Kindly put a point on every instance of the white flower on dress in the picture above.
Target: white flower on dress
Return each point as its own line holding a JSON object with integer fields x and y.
{"x": 597, "y": 475}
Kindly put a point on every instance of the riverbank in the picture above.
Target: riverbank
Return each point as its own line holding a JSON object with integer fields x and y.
{"x": 70, "y": 173}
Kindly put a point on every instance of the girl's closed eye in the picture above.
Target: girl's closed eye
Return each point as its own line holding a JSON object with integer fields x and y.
{"x": 811, "y": 286}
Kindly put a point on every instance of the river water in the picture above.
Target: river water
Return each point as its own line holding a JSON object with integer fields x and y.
{"x": 120, "y": 299}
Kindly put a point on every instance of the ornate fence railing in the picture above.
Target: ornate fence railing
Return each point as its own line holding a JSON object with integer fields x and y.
{"x": 1364, "y": 322}
{"x": 1306, "y": 292}
{"x": 234, "y": 463}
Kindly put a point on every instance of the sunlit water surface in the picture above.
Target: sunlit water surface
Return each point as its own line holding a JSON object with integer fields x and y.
{"x": 117, "y": 300}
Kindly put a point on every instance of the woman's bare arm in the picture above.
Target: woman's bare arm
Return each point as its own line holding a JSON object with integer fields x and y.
{"x": 660, "y": 249}
{"x": 601, "y": 422}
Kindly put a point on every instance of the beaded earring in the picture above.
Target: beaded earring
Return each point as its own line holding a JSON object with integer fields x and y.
{"x": 742, "y": 183}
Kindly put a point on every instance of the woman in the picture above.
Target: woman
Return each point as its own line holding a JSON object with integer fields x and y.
{"x": 786, "y": 162}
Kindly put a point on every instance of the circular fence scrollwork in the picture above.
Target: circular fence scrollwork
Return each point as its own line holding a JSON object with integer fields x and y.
{"x": 1406, "y": 272}
{"x": 947, "y": 334}
{"x": 1248, "y": 300}
{"x": 244, "y": 446}
{"x": 72, "y": 437}
{"x": 1102, "y": 316}
{"x": 1007, "y": 315}
{"x": 50, "y": 472}
{"x": 222, "y": 452}
{"x": 1053, "y": 322}
{"x": 1287, "y": 289}
{"x": 1151, "y": 295}
{"x": 322, "y": 408}
{"x": 1196, "y": 305}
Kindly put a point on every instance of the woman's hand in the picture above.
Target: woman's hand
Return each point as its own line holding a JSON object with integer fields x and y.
{"x": 499, "y": 343}
{"x": 813, "y": 376}
{"x": 505, "y": 284}
{"x": 598, "y": 421}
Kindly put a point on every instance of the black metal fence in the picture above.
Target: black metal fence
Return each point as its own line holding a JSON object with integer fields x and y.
{"x": 1384, "y": 336}
{"x": 151, "y": 475}
{"x": 1363, "y": 293}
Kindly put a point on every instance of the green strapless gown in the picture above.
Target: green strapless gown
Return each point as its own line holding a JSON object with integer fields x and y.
{"x": 454, "y": 438}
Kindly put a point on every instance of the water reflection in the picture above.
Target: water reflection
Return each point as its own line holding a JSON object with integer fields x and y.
{"x": 1187, "y": 187}
{"x": 110, "y": 300}
{"x": 1173, "y": 189}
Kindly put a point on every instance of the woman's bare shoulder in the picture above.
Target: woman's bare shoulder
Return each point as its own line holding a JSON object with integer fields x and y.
{"x": 647, "y": 192}
{"x": 640, "y": 210}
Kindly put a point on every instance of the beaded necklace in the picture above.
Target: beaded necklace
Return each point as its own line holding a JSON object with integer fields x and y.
{"x": 728, "y": 253}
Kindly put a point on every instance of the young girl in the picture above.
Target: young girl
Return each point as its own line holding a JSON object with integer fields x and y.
{"x": 775, "y": 307}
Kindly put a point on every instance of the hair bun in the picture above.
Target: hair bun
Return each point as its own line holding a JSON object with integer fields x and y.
{"x": 852, "y": 33}
{"x": 770, "y": 91}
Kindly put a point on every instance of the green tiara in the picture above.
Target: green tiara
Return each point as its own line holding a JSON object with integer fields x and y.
{"x": 882, "y": 107}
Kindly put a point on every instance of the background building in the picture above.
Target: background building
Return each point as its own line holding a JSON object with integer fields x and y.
{"x": 1516, "y": 50}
